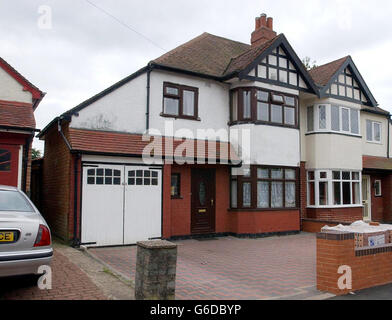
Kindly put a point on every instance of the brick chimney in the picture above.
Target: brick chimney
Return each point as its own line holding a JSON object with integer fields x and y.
{"x": 264, "y": 30}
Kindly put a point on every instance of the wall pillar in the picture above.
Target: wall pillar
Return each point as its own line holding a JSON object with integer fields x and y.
{"x": 155, "y": 270}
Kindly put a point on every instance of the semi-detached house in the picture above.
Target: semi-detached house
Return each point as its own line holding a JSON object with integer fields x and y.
{"x": 317, "y": 147}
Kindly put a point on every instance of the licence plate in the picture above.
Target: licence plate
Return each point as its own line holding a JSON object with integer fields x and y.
{"x": 6, "y": 236}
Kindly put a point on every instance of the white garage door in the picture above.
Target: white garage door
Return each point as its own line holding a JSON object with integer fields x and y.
{"x": 121, "y": 204}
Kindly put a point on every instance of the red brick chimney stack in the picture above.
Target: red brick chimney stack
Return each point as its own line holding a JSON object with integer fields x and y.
{"x": 263, "y": 30}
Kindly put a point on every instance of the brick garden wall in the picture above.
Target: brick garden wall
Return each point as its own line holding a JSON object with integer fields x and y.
{"x": 56, "y": 169}
{"x": 370, "y": 266}
{"x": 346, "y": 215}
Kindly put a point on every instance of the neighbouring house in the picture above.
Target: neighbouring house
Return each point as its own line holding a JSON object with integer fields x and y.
{"x": 294, "y": 148}
{"x": 18, "y": 100}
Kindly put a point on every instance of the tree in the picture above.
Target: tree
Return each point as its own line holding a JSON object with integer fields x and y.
{"x": 308, "y": 64}
{"x": 35, "y": 154}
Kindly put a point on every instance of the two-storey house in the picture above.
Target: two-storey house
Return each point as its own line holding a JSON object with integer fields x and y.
{"x": 18, "y": 100}
{"x": 244, "y": 141}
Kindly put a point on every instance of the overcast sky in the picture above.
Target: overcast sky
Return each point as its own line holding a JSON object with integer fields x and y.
{"x": 86, "y": 50}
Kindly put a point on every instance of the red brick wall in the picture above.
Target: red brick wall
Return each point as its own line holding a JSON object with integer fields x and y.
{"x": 315, "y": 226}
{"x": 177, "y": 215}
{"x": 56, "y": 170}
{"x": 264, "y": 221}
{"x": 370, "y": 267}
{"x": 381, "y": 206}
{"x": 348, "y": 215}
{"x": 180, "y": 209}
{"x": 303, "y": 189}
{"x": 166, "y": 202}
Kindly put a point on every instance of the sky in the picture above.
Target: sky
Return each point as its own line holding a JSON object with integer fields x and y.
{"x": 76, "y": 48}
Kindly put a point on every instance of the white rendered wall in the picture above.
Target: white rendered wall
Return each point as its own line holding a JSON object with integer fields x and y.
{"x": 374, "y": 148}
{"x": 270, "y": 145}
{"x": 122, "y": 110}
{"x": 12, "y": 90}
{"x": 213, "y": 105}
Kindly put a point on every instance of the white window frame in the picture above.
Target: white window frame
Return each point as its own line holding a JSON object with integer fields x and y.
{"x": 373, "y": 135}
{"x": 328, "y": 128}
{"x": 330, "y": 181}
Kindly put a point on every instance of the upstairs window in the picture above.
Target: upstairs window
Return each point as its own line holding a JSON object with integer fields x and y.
{"x": 180, "y": 101}
{"x": 373, "y": 131}
{"x": 333, "y": 118}
{"x": 253, "y": 105}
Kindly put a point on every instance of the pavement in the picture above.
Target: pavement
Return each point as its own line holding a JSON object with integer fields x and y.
{"x": 76, "y": 276}
{"x": 233, "y": 269}
{"x": 375, "y": 293}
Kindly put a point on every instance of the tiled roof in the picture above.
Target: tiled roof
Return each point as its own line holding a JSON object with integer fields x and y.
{"x": 206, "y": 54}
{"x": 322, "y": 74}
{"x": 133, "y": 144}
{"x": 243, "y": 60}
{"x": 380, "y": 163}
{"x": 17, "y": 115}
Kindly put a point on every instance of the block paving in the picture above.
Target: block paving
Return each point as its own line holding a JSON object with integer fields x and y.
{"x": 69, "y": 283}
{"x": 233, "y": 269}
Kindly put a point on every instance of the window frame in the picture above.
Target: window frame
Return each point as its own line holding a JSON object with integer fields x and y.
{"x": 329, "y": 119}
{"x": 178, "y": 195}
{"x": 378, "y": 181}
{"x": 253, "y": 180}
{"x": 373, "y": 123}
{"x": 330, "y": 180}
{"x": 181, "y": 88}
{"x": 254, "y": 107}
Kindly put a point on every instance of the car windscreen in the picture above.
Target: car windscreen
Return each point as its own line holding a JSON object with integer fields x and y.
{"x": 14, "y": 201}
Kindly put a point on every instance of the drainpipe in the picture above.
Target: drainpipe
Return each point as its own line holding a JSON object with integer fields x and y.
{"x": 76, "y": 240}
{"x": 148, "y": 97}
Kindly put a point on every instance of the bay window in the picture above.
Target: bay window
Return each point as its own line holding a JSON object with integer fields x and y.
{"x": 260, "y": 106}
{"x": 264, "y": 188}
{"x": 334, "y": 188}
{"x": 333, "y": 118}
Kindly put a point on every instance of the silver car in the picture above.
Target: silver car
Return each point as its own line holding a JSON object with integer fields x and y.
{"x": 25, "y": 240}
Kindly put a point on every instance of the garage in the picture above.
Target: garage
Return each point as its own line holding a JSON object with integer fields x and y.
{"x": 121, "y": 204}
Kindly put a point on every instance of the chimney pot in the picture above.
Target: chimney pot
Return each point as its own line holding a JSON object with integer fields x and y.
{"x": 263, "y": 20}
{"x": 270, "y": 23}
{"x": 258, "y": 25}
{"x": 263, "y": 30}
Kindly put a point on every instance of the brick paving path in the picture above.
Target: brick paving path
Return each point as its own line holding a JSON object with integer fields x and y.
{"x": 69, "y": 283}
{"x": 234, "y": 269}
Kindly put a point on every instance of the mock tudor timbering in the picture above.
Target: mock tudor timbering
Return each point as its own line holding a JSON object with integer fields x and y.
{"x": 319, "y": 147}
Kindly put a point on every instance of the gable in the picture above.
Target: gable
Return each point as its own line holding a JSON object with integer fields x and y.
{"x": 346, "y": 83}
{"x": 12, "y": 90}
{"x": 280, "y": 65}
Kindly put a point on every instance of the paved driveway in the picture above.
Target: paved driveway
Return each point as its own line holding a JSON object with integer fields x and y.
{"x": 69, "y": 283}
{"x": 234, "y": 269}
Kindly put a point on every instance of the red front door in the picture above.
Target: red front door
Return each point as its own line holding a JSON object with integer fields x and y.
{"x": 203, "y": 201}
{"x": 9, "y": 160}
